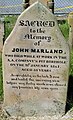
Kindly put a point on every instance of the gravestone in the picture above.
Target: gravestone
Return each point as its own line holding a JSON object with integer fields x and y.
{"x": 35, "y": 65}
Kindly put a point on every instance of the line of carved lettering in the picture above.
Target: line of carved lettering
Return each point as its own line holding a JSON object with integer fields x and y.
{"x": 37, "y": 23}
{"x": 38, "y": 84}
{"x": 37, "y": 37}
{"x": 36, "y": 56}
{"x": 37, "y": 61}
{"x": 30, "y": 76}
{"x": 37, "y": 50}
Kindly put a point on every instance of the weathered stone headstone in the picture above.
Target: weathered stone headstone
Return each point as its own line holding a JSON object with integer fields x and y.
{"x": 35, "y": 65}
{"x": 1, "y": 35}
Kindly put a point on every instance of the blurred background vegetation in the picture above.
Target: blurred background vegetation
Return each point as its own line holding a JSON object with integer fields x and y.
{"x": 9, "y": 24}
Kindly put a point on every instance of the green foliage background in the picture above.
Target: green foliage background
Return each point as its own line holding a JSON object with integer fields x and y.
{"x": 9, "y": 23}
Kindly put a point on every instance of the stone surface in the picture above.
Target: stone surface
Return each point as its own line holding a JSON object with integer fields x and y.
{"x": 68, "y": 116}
{"x": 1, "y": 35}
{"x": 35, "y": 65}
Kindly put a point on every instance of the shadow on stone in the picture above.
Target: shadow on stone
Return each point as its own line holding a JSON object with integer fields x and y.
{"x": 69, "y": 103}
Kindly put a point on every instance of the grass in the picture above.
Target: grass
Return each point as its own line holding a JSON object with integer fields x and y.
{"x": 9, "y": 24}
{"x": 64, "y": 27}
